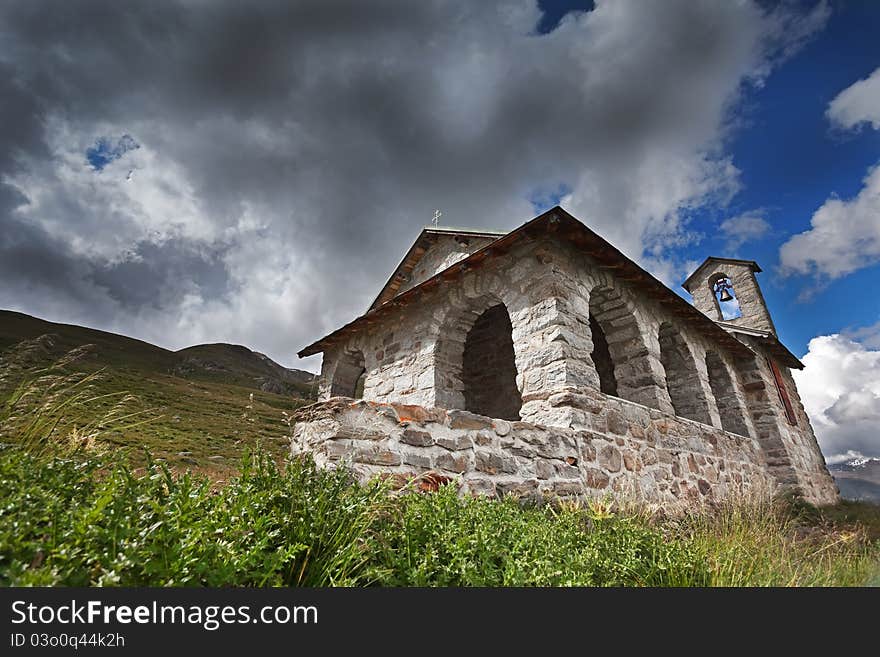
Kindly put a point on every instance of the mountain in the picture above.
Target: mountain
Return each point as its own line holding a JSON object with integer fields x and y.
{"x": 197, "y": 407}
{"x": 223, "y": 363}
{"x": 858, "y": 479}
{"x": 239, "y": 365}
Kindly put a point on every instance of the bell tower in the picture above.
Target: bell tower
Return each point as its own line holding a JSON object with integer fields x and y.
{"x": 726, "y": 290}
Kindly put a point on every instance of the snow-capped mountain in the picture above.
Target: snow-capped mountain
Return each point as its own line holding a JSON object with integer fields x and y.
{"x": 858, "y": 478}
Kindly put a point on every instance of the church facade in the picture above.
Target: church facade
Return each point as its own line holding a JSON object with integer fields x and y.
{"x": 545, "y": 362}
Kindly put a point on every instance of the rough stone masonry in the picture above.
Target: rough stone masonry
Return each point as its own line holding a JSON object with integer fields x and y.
{"x": 544, "y": 362}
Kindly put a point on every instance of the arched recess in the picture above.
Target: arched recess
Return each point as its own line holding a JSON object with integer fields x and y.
{"x": 475, "y": 367}
{"x": 619, "y": 354}
{"x": 349, "y": 375}
{"x": 602, "y": 361}
{"x": 730, "y": 408}
{"x": 682, "y": 380}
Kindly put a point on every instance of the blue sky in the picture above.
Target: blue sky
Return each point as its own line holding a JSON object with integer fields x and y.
{"x": 792, "y": 160}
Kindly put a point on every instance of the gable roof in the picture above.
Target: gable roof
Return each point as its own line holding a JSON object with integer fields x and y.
{"x": 427, "y": 238}
{"x": 690, "y": 280}
{"x": 560, "y": 223}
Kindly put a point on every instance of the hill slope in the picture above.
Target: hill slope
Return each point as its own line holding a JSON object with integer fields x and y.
{"x": 199, "y": 406}
{"x": 114, "y": 350}
{"x": 223, "y": 363}
{"x": 229, "y": 363}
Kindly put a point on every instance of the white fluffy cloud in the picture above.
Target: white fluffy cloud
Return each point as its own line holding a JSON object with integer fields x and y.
{"x": 844, "y": 235}
{"x": 112, "y": 212}
{"x": 743, "y": 228}
{"x": 840, "y": 389}
{"x": 857, "y": 104}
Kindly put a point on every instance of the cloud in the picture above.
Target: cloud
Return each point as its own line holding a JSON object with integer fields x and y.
{"x": 866, "y": 335}
{"x": 745, "y": 227}
{"x": 857, "y": 104}
{"x": 844, "y": 235}
{"x": 840, "y": 389}
{"x": 288, "y": 156}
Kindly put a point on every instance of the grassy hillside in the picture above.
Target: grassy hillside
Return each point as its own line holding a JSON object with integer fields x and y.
{"x": 113, "y": 350}
{"x": 237, "y": 365}
{"x": 92, "y": 521}
{"x": 197, "y": 408}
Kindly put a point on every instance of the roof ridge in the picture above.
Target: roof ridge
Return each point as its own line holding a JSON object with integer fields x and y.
{"x": 460, "y": 229}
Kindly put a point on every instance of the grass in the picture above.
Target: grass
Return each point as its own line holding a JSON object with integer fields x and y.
{"x": 93, "y": 521}
{"x": 205, "y": 425}
{"x": 94, "y": 492}
{"x": 84, "y": 519}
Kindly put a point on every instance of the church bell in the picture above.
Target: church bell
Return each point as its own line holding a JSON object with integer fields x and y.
{"x": 725, "y": 295}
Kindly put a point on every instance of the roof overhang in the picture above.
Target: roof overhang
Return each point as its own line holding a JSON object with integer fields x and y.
{"x": 770, "y": 342}
{"x": 560, "y": 223}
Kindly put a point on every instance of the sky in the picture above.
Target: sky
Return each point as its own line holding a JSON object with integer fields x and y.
{"x": 190, "y": 171}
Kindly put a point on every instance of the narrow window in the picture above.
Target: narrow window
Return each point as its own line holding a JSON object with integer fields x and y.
{"x": 783, "y": 392}
{"x": 348, "y": 380}
{"x": 602, "y": 359}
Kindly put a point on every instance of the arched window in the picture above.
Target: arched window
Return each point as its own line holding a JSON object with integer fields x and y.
{"x": 489, "y": 368}
{"x": 474, "y": 361}
{"x": 602, "y": 359}
{"x": 725, "y": 296}
{"x": 619, "y": 354}
{"x": 682, "y": 380}
{"x": 729, "y": 406}
{"x": 348, "y": 379}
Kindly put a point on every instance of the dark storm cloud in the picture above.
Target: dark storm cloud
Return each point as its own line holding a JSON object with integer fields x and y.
{"x": 290, "y": 151}
{"x": 158, "y": 275}
{"x": 34, "y": 259}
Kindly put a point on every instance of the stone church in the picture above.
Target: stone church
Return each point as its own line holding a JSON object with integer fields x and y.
{"x": 543, "y": 362}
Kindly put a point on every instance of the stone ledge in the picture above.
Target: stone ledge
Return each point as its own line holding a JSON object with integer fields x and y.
{"x": 664, "y": 460}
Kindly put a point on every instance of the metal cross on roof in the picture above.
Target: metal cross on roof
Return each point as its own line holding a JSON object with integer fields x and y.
{"x": 436, "y": 218}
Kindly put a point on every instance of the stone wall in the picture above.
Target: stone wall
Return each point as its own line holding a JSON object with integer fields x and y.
{"x": 639, "y": 453}
{"x": 792, "y": 454}
{"x": 446, "y": 251}
{"x": 553, "y": 294}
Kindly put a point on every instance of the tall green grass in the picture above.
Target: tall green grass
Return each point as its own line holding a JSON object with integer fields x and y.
{"x": 780, "y": 542}
{"x": 91, "y": 520}
{"x": 42, "y": 408}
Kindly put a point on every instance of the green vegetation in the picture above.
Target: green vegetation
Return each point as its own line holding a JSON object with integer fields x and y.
{"x": 80, "y": 519}
{"x": 97, "y": 488}
{"x": 198, "y": 408}
{"x": 92, "y": 521}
